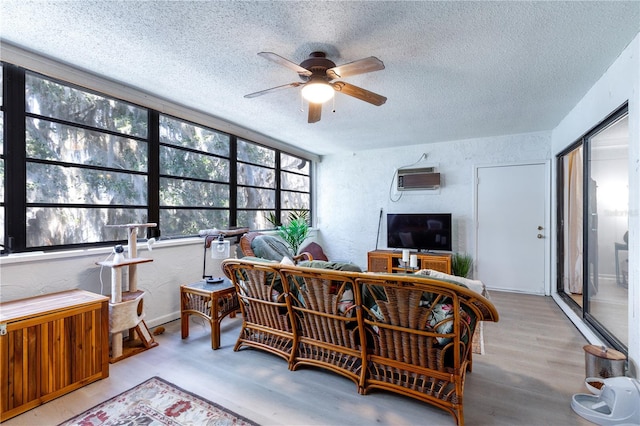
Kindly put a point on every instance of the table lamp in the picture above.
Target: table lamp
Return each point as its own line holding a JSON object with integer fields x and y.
{"x": 220, "y": 249}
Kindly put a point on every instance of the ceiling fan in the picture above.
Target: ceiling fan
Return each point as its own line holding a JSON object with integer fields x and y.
{"x": 320, "y": 80}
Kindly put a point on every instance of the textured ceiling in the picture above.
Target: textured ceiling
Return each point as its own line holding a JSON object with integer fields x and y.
{"x": 454, "y": 70}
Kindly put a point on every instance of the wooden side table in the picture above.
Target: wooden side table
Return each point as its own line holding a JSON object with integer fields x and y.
{"x": 212, "y": 302}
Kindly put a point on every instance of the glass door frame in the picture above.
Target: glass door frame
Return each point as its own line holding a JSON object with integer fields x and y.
{"x": 583, "y": 311}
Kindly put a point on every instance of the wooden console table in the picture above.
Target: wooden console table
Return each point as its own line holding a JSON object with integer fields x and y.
{"x": 389, "y": 261}
{"x": 51, "y": 345}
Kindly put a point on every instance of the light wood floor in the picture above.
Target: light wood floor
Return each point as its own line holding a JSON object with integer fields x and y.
{"x": 534, "y": 363}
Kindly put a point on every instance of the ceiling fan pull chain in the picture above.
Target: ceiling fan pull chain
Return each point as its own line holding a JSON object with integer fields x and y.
{"x": 333, "y": 109}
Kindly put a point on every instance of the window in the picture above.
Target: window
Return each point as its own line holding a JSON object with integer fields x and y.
{"x": 256, "y": 184}
{"x": 2, "y": 184}
{"x": 80, "y": 160}
{"x": 194, "y": 178}
{"x": 86, "y": 164}
{"x": 269, "y": 184}
{"x": 295, "y": 184}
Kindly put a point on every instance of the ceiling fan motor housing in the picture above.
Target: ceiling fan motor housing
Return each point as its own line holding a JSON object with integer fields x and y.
{"x": 318, "y": 64}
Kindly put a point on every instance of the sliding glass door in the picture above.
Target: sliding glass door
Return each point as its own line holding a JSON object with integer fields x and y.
{"x": 607, "y": 200}
{"x": 593, "y": 201}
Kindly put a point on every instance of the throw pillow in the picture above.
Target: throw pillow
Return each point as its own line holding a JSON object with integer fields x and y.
{"x": 287, "y": 261}
{"x": 269, "y": 247}
{"x": 336, "y": 266}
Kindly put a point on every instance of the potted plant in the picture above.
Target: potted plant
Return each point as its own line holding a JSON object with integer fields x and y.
{"x": 461, "y": 264}
{"x": 295, "y": 231}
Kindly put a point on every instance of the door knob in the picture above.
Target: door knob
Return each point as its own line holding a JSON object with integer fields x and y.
{"x": 540, "y": 236}
{"x": 540, "y": 228}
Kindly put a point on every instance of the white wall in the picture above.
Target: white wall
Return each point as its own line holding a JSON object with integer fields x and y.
{"x": 351, "y": 189}
{"x": 619, "y": 84}
{"x": 174, "y": 263}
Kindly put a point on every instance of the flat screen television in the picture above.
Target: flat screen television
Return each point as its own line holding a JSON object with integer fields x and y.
{"x": 419, "y": 231}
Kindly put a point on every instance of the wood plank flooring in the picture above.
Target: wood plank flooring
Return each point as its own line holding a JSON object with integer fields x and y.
{"x": 534, "y": 363}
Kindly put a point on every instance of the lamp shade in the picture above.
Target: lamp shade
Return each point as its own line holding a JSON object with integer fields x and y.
{"x": 317, "y": 92}
{"x": 220, "y": 249}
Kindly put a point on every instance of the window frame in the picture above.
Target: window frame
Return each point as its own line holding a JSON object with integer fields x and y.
{"x": 15, "y": 204}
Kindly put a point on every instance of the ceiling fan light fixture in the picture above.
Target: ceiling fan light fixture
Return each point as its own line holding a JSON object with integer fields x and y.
{"x": 318, "y": 92}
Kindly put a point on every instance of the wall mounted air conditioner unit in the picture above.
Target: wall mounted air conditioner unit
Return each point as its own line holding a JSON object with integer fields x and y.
{"x": 417, "y": 179}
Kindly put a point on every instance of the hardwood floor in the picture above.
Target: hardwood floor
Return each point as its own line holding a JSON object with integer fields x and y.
{"x": 534, "y": 363}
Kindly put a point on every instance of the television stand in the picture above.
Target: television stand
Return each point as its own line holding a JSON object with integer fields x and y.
{"x": 389, "y": 261}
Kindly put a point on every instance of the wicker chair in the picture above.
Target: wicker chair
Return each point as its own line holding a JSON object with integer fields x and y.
{"x": 262, "y": 298}
{"x": 328, "y": 322}
{"x": 417, "y": 351}
{"x": 407, "y": 334}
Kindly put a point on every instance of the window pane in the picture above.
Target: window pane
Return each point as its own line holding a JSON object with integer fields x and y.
{"x": 1, "y": 182}
{"x": 254, "y": 219}
{"x": 1, "y": 160}
{"x": 294, "y": 164}
{"x": 47, "y": 140}
{"x": 1, "y": 132}
{"x": 177, "y": 162}
{"x": 256, "y": 154}
{"x": 50, "y": 99}
{"x": 73, "y": 185}
{"x": 607, "y": 223}
{"x": 2, "y": 241}
{"x": 184, "y": 193}
{"x": 256, "y": 198}
{"x": 177, "y": 222}
{"x": 180, "y": 133}
{"x": 256, "y": 176}
{"x": 60, "y": 226}
{"x": 294, "y": 182}
{"x": 295, "y": 201}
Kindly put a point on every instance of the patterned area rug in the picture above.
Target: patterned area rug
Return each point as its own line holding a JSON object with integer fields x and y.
{"x": 157, "y": 402}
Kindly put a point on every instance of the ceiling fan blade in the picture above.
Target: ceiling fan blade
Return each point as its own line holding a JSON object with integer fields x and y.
{"x": 360, "y": 66}
{"x": 315, "y": 111}
{"x": 359, "y": 92}
{"x": 273, "y": 89}
{"x": 273, "y": 57}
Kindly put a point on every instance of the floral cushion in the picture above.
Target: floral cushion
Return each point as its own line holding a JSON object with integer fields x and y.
{"x": 440, "y": 321}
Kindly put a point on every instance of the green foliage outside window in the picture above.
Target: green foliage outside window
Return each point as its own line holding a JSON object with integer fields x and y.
{"x": 88, "y": 165}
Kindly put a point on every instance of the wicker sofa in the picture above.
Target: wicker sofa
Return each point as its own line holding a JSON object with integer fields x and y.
{"x": 408, "y": 334}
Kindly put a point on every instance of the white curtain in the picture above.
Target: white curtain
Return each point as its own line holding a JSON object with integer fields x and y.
{"x": 574, "y": 217}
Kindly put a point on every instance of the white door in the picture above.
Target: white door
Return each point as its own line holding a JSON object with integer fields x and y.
{"x": 511, "y": 227}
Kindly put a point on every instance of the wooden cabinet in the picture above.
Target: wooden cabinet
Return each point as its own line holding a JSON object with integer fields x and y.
{"x": 389, "y": 261}
{"x": 51, "y": 345}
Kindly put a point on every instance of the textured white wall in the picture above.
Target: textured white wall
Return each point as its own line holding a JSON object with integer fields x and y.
{"x": 174, "y": 263}
{"x": 351, "y": 189}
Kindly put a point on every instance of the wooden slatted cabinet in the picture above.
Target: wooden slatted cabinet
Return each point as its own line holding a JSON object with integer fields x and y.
{"x": 389, "y": 261}
{"x": 51, "y": 345}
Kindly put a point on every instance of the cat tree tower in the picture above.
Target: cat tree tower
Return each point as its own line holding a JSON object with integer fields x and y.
{"x": 129, "y": 333}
